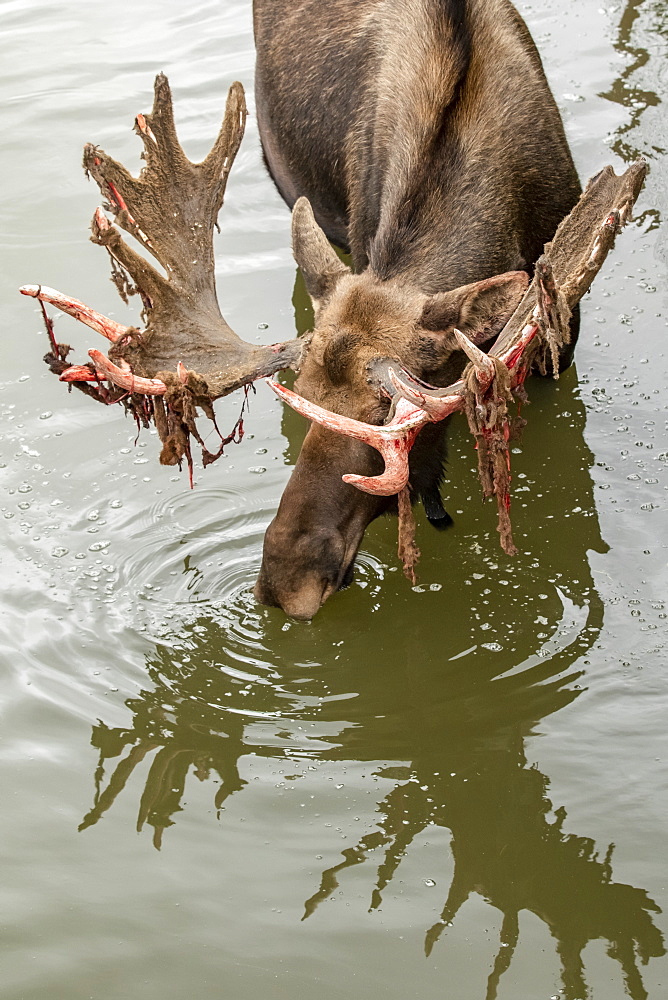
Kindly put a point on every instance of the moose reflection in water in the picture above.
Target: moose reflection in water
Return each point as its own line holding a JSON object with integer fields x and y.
{"x": 456, "y": 723}
{"x": 466, "y": 771}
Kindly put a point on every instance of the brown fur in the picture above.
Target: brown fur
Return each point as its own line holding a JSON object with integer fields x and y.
{"x": 425, "y": 137}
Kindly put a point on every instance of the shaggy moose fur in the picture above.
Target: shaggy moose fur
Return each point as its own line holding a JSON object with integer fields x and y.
{"x": 426, "y": 139}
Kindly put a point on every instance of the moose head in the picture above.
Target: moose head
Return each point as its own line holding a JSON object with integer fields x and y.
{"x": 378, "y": 375}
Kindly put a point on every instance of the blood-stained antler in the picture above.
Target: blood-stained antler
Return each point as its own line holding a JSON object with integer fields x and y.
{"x": 186, "y": 355}
{"x": 534, "y": 334}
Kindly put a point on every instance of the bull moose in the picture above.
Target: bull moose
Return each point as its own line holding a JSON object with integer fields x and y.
{"x": 421, "y": 137}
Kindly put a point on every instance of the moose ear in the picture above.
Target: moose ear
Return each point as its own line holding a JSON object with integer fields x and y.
{"x": 314, "y": 254}
{"x": 480, "y": 310}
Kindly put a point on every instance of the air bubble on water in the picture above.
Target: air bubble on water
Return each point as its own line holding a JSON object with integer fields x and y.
{"x": 257, "y": 469}
{"x": 261, "y": 451}
{"x": 46, "y": 415}
{"x": 24, "y": 488}
{"x": 263, "y": 326}
{"x": 94, "y": 515}
{"x": 98, "y": 546}
{"x": 116, "y": 504}
{"x": 429, "y": 881}
{"x": 495, "y": 647}
{"x": 24, "y": 505}
{"x": 59, "y": 552}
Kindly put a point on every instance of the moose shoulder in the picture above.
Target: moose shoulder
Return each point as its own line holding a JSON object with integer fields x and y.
{"x": 424, "y": 135}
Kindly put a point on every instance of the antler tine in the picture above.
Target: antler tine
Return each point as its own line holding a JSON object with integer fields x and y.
{"x": 219, "y": 161}
{"x": 161, "y": 124}
{"x": 484, "y": 368}
{"x": 109, "y": 328}
{"x": 148, "y": 280}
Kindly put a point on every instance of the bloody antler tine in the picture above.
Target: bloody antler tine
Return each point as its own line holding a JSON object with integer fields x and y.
{"x": 405, "y": 420}
{"x": 484, "y": 366}
{"x": 109, "y": 328}
{"x": 182, "y": 372}
{"x": 78, "y": 373}
{"x": 437, "y": 407}
{"x": 395, "y": 476}
{"x": 125, "y": 379}
{"x": 145, "y": 129}
{"x": 393, "y": 440}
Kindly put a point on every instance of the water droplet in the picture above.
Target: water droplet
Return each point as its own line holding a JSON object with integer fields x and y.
{"x": 257, "y": 469}
{"x": 24, "y": 505}
{"x": 59, "y": 552}
{"x": 98, "y": 546}
{"x": 94, "y": 515}
{"x": 263, "y": 326}
{"x": 24, "y": 488}
{"x": 46, "y": 415}
{"x": 116, "y": 504}
{"x": 429, "y": 881}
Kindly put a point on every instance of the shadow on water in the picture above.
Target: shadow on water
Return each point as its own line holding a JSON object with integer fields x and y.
{"x": 444, "y": 711}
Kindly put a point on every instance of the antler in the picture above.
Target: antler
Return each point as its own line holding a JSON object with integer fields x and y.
{"x": 537, "y": 329}
{"x": 186, "y": 353}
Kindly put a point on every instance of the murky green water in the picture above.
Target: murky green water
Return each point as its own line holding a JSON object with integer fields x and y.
{"x": 456, "y": 791}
